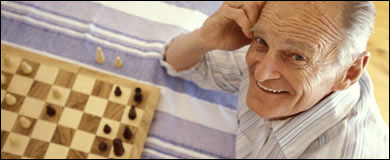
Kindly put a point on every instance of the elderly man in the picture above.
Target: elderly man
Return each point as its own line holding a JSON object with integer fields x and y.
{"x": 304, "y": 91}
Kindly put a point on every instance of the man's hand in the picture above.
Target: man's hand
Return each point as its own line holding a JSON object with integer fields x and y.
{"x": 228, "y": 28}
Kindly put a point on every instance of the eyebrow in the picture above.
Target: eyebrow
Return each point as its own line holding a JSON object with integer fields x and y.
{"x": 301, "y": 46}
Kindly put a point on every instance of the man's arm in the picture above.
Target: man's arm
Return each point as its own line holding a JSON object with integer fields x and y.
{"x": 185, "y": 51}
{"x": 227, "y": 29}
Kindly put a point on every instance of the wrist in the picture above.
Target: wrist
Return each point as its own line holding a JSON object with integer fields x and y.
{"x": 201, "y": 43}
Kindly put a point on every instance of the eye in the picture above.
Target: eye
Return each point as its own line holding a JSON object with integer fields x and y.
{"x": 298, "y": 57}
{"x": 261, "y": 41}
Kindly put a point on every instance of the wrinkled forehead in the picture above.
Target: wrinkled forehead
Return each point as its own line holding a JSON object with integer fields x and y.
{"x": 311, "y": 22}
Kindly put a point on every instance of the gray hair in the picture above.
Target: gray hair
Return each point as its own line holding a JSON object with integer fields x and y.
{"x": 358, "y": 22}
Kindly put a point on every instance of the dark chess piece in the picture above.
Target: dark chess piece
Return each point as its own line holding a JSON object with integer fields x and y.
{"x": 102, "y": 146}
{"x": 118, "y": 91}
{"x": 50, "y": 110}
{"x": 127, "y": 133}
{"x": 118, "y": 147}
{"x": 132, "y": 113}
{"x": 107, "y": 129}
{"x": 138, "y": 95}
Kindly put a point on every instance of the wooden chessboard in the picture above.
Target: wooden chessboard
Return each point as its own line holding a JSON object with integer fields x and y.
{"x": 87, "y": 103}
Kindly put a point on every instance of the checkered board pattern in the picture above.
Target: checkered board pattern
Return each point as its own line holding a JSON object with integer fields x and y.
{"x": 86, "y": 105}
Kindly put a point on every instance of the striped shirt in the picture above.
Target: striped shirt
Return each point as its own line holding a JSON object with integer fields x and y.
{"x": 346, "y": 124}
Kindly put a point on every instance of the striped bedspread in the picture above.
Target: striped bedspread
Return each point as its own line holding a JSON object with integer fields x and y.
{"x": 190, "y": 122}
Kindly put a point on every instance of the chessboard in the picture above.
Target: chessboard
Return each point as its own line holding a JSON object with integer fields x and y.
{"x": 60, "y": 109}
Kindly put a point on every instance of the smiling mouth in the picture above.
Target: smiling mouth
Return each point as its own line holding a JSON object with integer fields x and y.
{"x": 270, "y": 90}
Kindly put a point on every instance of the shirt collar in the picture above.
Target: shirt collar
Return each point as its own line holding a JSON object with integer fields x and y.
{"x": 296, "y": 133}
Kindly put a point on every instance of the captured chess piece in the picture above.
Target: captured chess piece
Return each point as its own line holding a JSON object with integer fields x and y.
{"x": 138, "y": 95}
{"x": 118, "y": 147}
{"x": 99, "y": 55}
{"x": 132, "y": 113}
{"x": 127, "y": 133}
{"x": 26, "y": 68}
{"x": 10, "y": 99}
{"x": 118, "y": 62}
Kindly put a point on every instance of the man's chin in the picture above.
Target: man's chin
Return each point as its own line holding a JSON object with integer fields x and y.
{"x": 263, "y": 110}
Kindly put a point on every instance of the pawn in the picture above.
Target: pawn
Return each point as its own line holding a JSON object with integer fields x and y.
{"x": 14, "y": 141}
{"x": 7, "y": 61}
{"x": 102, "y": 146}
{"x": 99, "y": 55}
{"x": 56, "y": 94}
{"x": 3, "y": 79}
{"x": 127, "y": 133}
{"x": 26, "y": 68}
{"x": 50, "y": 110}
{"x": 118, "y": 62}
{"x": 132, "y": 113}
{"x": 118, "y": 91}
{"x": 24, "y": 122}
{"x": 107, "y": 129}
{"x": 10, "y": 99}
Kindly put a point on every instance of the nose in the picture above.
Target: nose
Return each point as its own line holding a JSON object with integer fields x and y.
{"x": 268, "y": 68}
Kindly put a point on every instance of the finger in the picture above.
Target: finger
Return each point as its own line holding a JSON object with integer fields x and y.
{"x": 239, "y": 16}
{"x": 252, "y": 11}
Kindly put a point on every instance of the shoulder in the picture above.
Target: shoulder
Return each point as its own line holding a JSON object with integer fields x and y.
{"x": 352, "y": 138}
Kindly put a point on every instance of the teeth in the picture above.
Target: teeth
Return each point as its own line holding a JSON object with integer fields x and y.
{"x": 267, "y": 89}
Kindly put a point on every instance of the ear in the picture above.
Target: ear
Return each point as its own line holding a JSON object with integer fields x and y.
{"x": 352, "y": 75}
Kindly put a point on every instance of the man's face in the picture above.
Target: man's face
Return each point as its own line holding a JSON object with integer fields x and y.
{"x": 292, "y": 62}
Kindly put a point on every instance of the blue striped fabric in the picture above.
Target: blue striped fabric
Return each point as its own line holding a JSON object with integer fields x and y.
{"x": 73, "y": 31}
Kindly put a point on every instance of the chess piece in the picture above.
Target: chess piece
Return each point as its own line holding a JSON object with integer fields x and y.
{"x": 7, "y": 61}
{"x": 118, "y": 147}
{"x": 138, "y": 90}
{"x": 118, "y": 91}
{"x": 127, "y": 133}
{"x": 102, "y": 146}
{"x": 3, "y": 79}
{"x": 10, "y": 99}
{"x": 138, "y": 95}
{"x": 56, "y": 94}
{"x": 50, "y": 110}
{"x": 118, "y": 62}
{"x": 99, "y": 55}
{"x": 107, "y": 129}
{"x": 26, "y": 68}
{"x": 132, "y": 113}
{"x": 24, "y": 122}
{"x": 14, "y": 141}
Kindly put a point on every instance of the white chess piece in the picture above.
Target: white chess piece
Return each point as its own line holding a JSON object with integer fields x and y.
{"x": 99, "y": 55}
{"x": 7, "y": 61}
{"x": 3, "y": 79}
{"x": 26, "y": 68}
{"x": 10, "y": 100}
{"x": 56, "y": 94}
{"x": 118, "y": 62}
{"x": 24, "y": 122}
{"x": 14, "y": 141}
